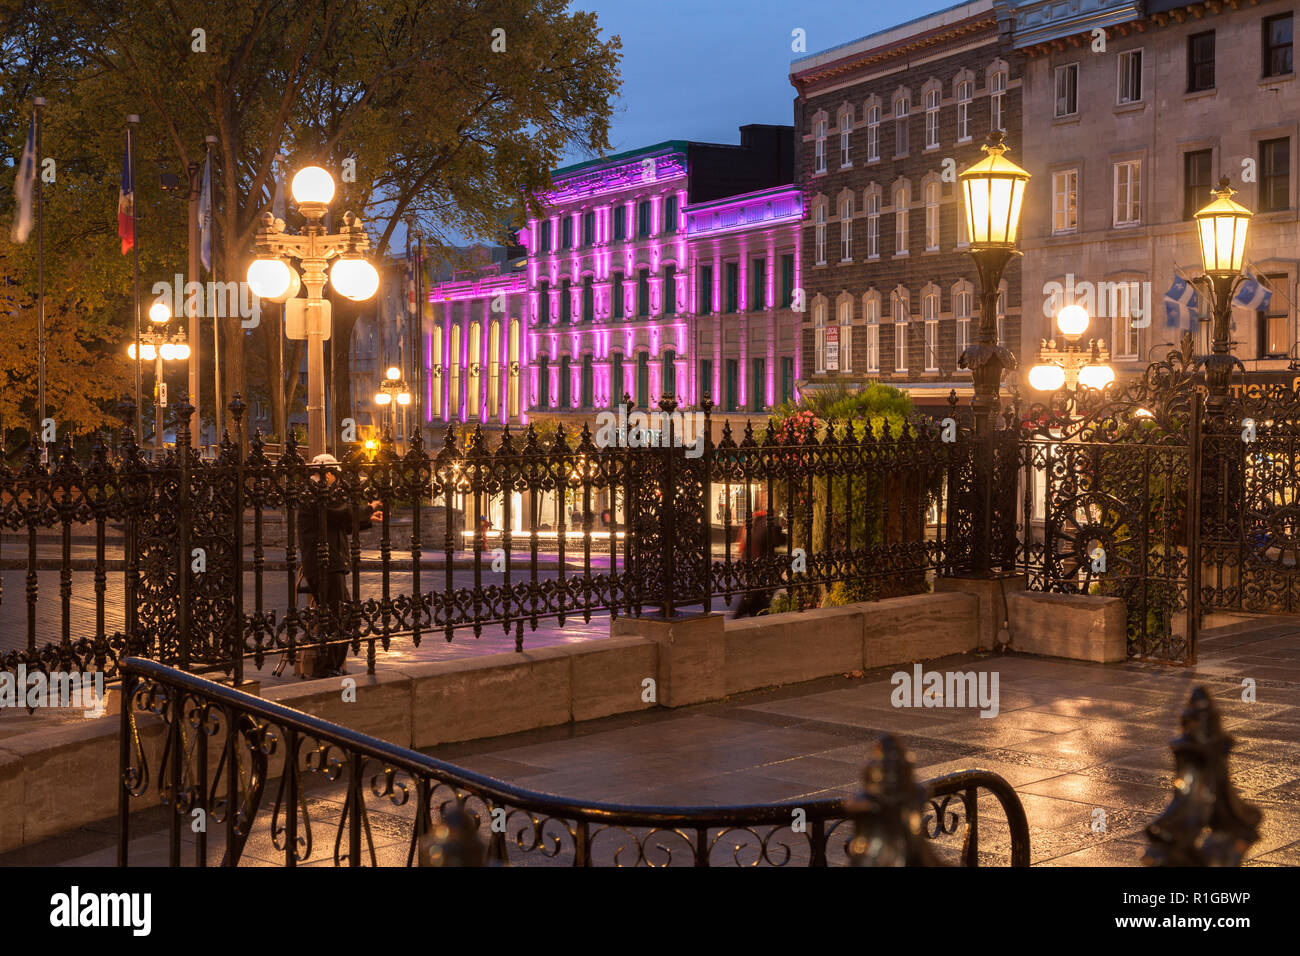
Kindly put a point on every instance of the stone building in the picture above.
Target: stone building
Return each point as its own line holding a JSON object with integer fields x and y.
{"x": 1126, "y": 139}
{"x": 639, "y": 278}
{"x": 885, "y": 123}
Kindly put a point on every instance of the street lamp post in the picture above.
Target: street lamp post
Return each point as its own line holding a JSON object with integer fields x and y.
{"x": 993, "y": 191}
{"x": 157, "y": 345}
{"x": 1072, "y": 364}
{"x": 393, "y": 392}
{"x": 1221, "y": 228}
{"x": 271, "y": 277}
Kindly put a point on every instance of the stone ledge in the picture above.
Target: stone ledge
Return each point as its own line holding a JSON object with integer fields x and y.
{"x": 1081, "y": 627}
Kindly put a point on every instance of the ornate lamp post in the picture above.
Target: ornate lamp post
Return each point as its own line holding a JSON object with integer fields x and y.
{"x": 1221, "y": 227}
{"x": 993, "y": 191}
{"x": 271, "y": 277}
{"x": 1072, "y": 364}
{"x": 157, "y": 345}
{"x": 393, "y": 392}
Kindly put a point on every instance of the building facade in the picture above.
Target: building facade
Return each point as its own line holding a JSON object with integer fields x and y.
{"x": 885, "y": 124}
{"x": 1125, "y": 140}
{"x": 657, "y": 272}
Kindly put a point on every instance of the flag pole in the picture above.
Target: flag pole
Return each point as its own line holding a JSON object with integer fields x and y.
{"x": 211, "y": 140}
{"x": 132, "y": 121}
{"x": 192, "y": 308}
{"x": 39, "y": 103}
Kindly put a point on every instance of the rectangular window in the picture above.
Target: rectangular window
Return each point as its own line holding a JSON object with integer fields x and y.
{"x": 757, "y": 285}
{"x": 643, "y": 379}
{"x": 1274, "y": 175}
{"x": 757, "y": 384}
{"x": 787, "y": 380}
{"x": 543, "y": 304}
{"x": 670, "y": 215}
{"x": 588, "y": 300}
{"x": 900, "y": 225}
{"x": 543, "y": 382}
{"x": 819, "y": 147}
{"x": 706, "y": 379}
{"x": 932, "y": 216}
{"x": 1277, "y": 45}
{"x": 1065, "y": 200}
{"x": 706, "y": 290}
{"x": 873, "y": 347}
{"x": 670, "y": 290}
{"x": 900, "y": 346}
{"x": 1200, "y": 62}
{"x": 932, "y": 345}
{"x": 1274, "y": 333}
{"x": 620, "y": 223}
{"x": 588, "y": 385}
{"x": 846, "y": 129}
{"x": 566, "y": 232}
{"x": 1129, "y": 87}
{"x": 733, "y": 287}
{"x": 643, "y": 219}
{"x": 643, "y": 293}
{"x": 873, "y": 133}
{"x": 619, "y": 310}
{"x": 932, "y": 119}
{"x": 1067, "y": 89}
{"x": 732, "y": 394}
{"x": 997, "y": 91}
{"x": 1196, "y": 180}
{"x": 961, "y": 308}
{"x": 616, "y": 388}
{"x": 589, "y": 229}
{"x": 1128, "y": 193}
{"x": 965, "y": 91}
{"x": 566, "y": 301}
{"x": 545, "y": 240}
{"x": 787, "y": 281}
{"x": 819, "y": 233}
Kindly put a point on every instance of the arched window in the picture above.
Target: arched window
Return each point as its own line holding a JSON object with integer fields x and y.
{"x": 962, "y": 301}
{"x": 846, "y": 229}
{"x": 900, "y": 219}
{"x": 494, "y": 369}
{"x": 512, "y": 354}
{"x": 820, "y": 233}
{"x": 819, "y": 145}
{"x": 965, "y": 92}
{"x": 871, "y": 312}
{"x": 932, "y": 215}
{"x": 475, "y": 367}
{"x": 819, "y": 334}
{"x": 901, "y": 315}
{"x": 873, "y": 131}
{"x": 930, "y": 314}
{"x": 932, "y": 118}
{"x": 902, "y": 111}
{"x": 873, "y": 222}
{"x": 453, "y": 365}
{"x": 846, "y": 128}
{"x": 997, "y": 93}
{"x": 846, "y": 333}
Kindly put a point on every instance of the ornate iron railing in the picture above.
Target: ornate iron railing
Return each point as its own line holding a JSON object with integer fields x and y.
{"x": 247, "y": 780}
{"x": 198, "y": 563}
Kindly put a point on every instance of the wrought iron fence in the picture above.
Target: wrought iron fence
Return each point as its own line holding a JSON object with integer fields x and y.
{"x": 201, "y": 563}
{"x": 273, "y": 784}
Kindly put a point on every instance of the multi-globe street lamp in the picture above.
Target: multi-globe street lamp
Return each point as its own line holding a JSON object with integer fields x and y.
{"x": 393, "y": 393}
{"x": 157, "y": 345}
{"x": 1221, "y": 229}
{"x": 272, "y": 277}
{"x": 1073, "y": 363}
{"x": 993, "y": 191}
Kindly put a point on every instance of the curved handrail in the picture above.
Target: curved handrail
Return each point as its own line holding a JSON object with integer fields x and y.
{"x": 495, "y": 792}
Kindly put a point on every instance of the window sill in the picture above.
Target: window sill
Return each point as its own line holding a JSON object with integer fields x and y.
{"x": 1069, "y": 119}
{"x": 1126, "y": 225}
{"x": 901, "y": 255}
{"x": 1137, "y": 106}
{"x": 1200, "y": 94}
{"x": 846, "y": 165}
{"x": 1061, "y": 233}
{"x": 1280, "y": 78}
{"x": 934, "y": 148}
{"x": 965, "y": 139}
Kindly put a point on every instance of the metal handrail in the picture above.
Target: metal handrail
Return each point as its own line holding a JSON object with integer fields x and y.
{"x": 427, "y": 772}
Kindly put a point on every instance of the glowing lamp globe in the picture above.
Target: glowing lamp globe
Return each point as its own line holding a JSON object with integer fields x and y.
{"x": 1096, "y": 376}
{"x": 167, "y": 352}
{"x": 393, "y": 373}
{"x": 312, "y": 184}
{"x": 269, "y": 278}
{"x": 159, "y": 312}
{"x": 382, "y": 398}
{"x": 147, "y": 352}
{"x": 1221, "y": 227}
{"x": 1072, "y": 321}
{"x": 1047, "y": 377}
{"x": 993, "y": 190}
{"x": 181, "y": 351}
{"x": 403, "y": 398}
{"x": 355, "y": 279}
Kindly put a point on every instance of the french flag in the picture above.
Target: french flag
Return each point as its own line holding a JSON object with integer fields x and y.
{"x": 126, "y": 201}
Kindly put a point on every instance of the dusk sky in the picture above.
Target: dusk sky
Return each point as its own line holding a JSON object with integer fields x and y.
{"x": 699, "y": 69}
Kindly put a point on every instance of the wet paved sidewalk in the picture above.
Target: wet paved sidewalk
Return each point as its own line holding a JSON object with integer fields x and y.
{"x": 1072, "y": 738}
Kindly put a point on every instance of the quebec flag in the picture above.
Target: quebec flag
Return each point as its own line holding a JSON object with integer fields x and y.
{"x": 1252, "y": 295}
{"x": 1181, "y": 304}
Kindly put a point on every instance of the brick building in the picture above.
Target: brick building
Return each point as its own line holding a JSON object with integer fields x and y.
{"x": 884, "y": 125}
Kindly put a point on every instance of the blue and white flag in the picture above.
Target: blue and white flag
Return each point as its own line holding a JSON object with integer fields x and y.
{"x": 205, "y": 216}
{"x": 1252, "y": 295}
{"x": 25, "y": 189}
{"x": 1181, "y": 304}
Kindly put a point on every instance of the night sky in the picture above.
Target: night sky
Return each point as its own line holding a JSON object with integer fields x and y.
{"x": 699, "y": 69}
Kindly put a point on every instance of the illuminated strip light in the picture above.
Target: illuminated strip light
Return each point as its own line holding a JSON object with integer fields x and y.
{"x": 583, "y": 185}
{"x": 765, "y": 207}
{"x": 478, "y": 289}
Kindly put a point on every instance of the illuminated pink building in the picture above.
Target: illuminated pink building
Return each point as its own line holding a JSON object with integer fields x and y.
{"x": 646, "y": 277}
